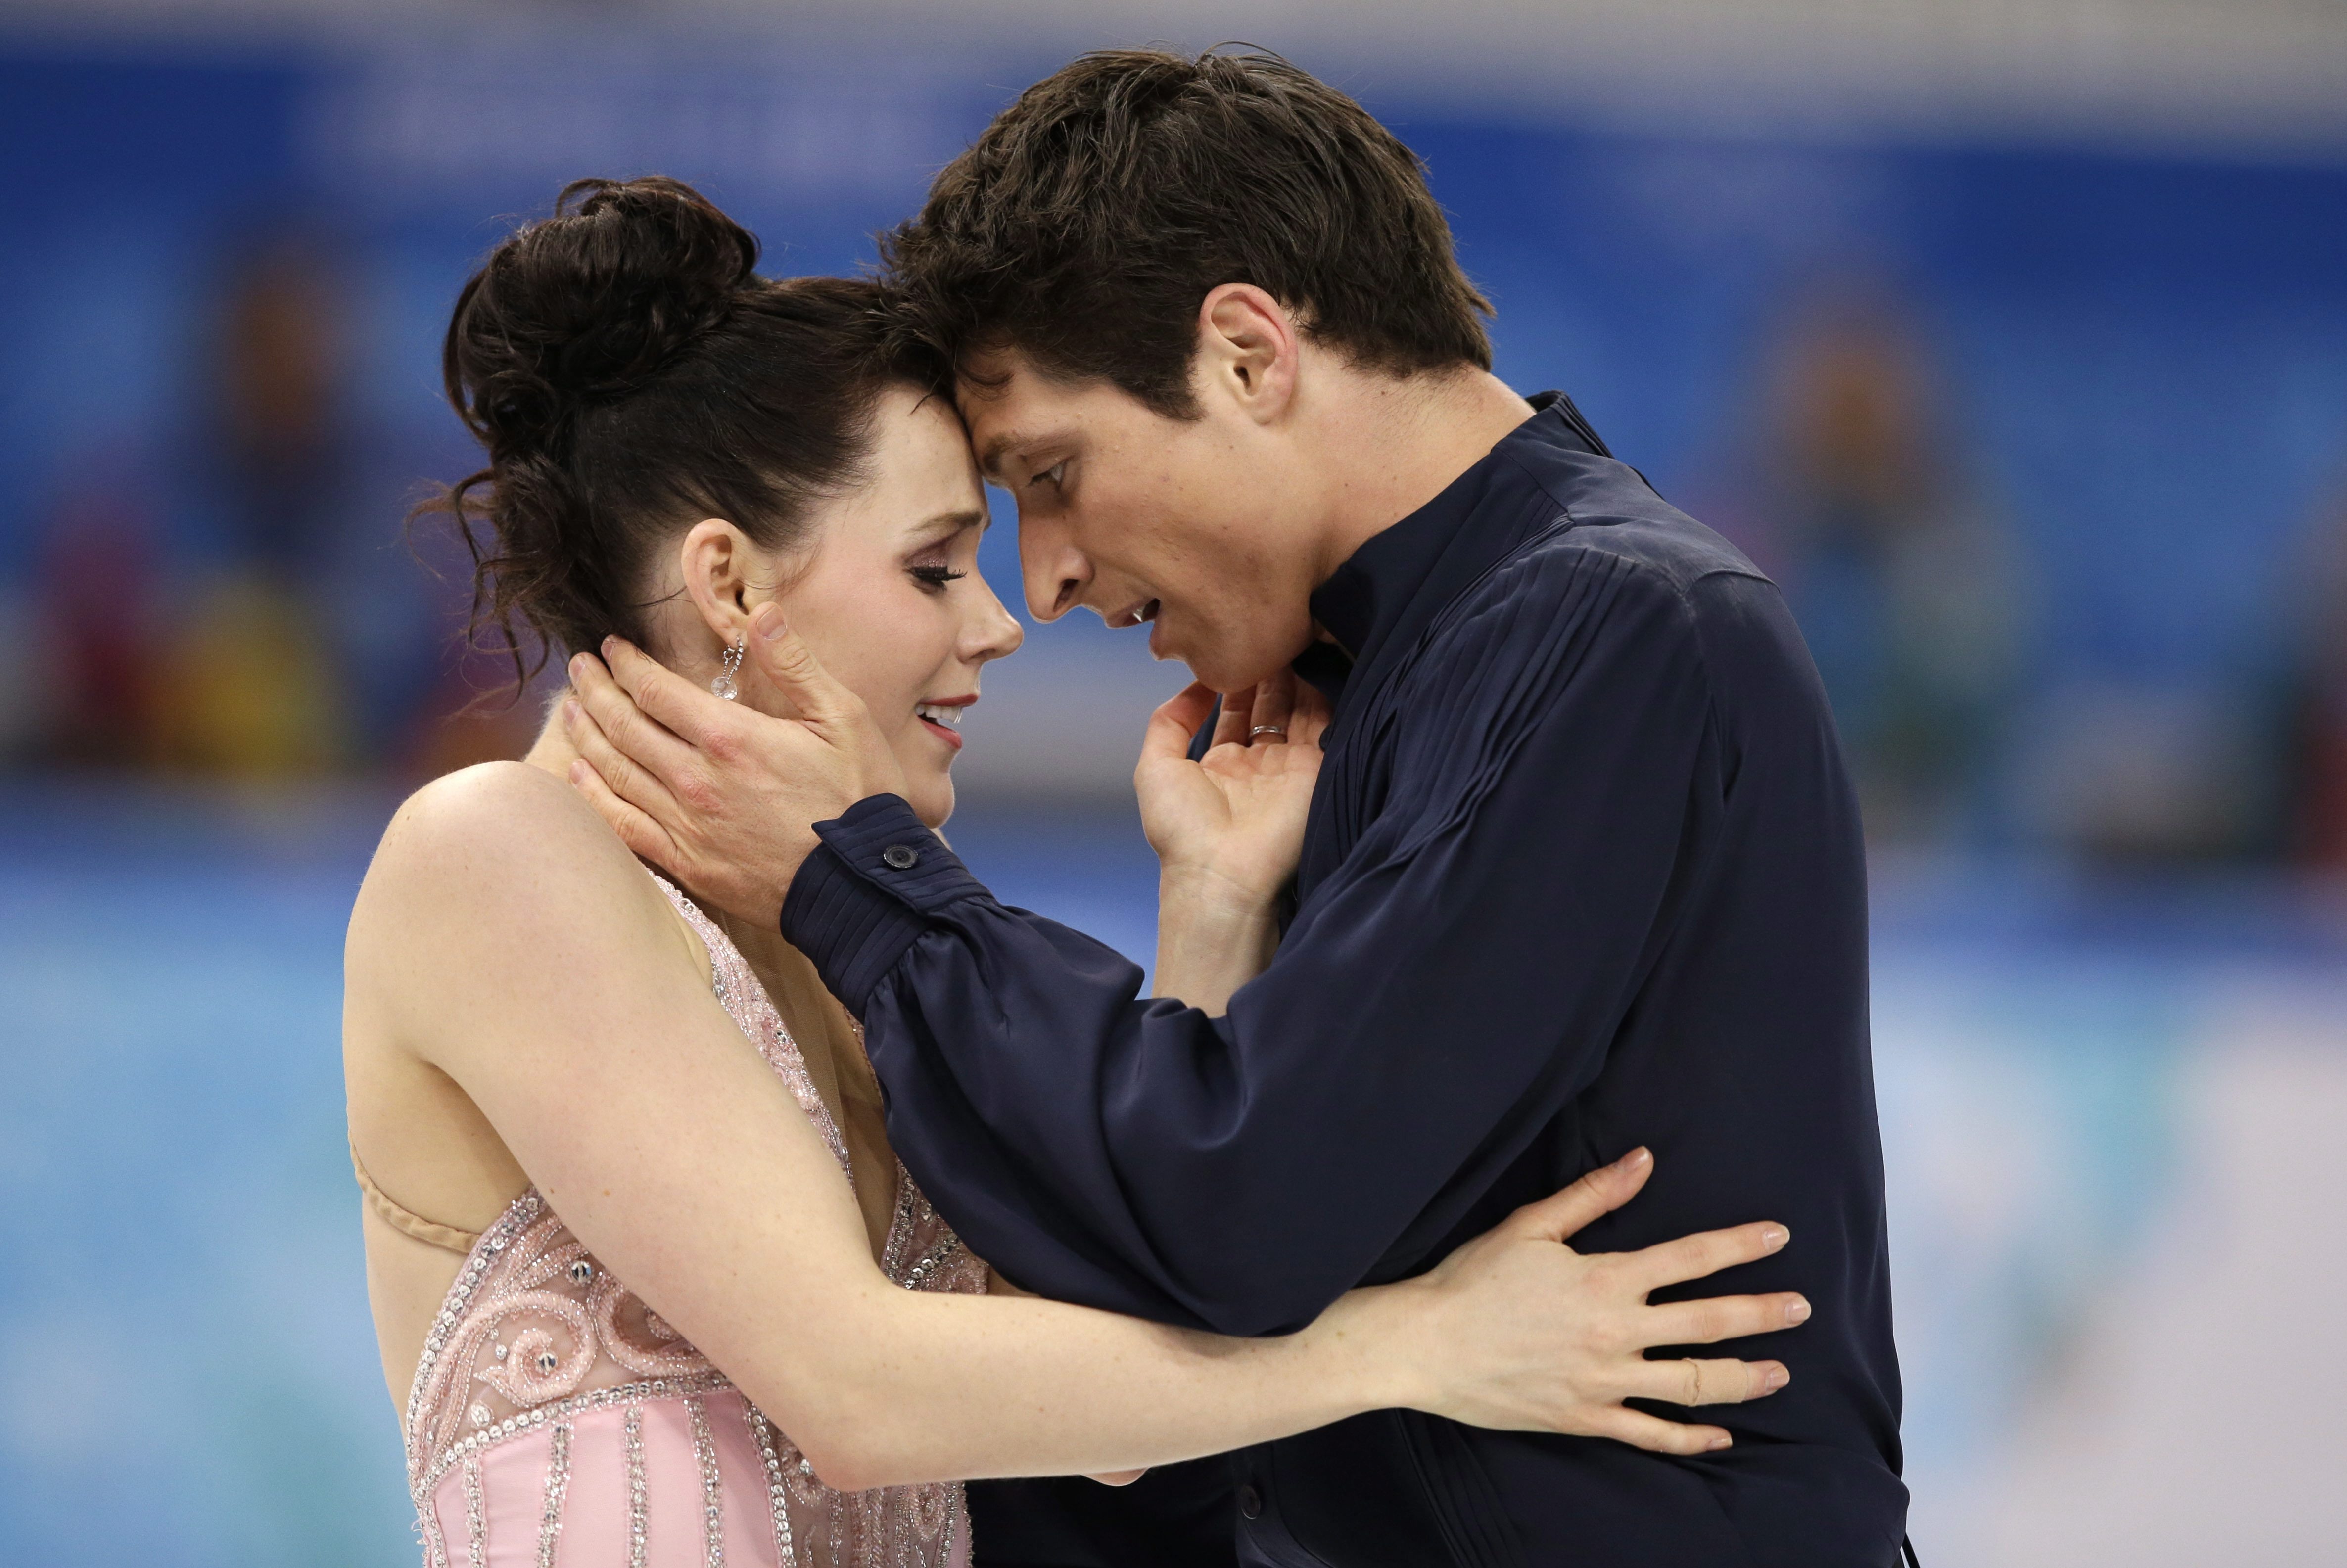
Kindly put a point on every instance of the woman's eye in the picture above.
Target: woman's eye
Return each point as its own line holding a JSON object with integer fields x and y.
{"x": 933, "y": 576}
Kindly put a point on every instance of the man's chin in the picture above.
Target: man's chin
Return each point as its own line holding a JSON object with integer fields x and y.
{"x": 1229, "y": 675}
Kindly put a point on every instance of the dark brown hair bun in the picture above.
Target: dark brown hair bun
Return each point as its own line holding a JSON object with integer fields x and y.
{"x": 590, "y": 305}
{"x": 630, "y": 375}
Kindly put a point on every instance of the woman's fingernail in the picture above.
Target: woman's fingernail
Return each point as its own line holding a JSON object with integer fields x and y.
{"x": 1774, "y": 1237}
{"x": 609, "y": 643}
{"x": 767, "y": 623}
{"x": 1637, "y": 1159}
{"x": 1719, "y": 1443}
{"x": 571, "y": 710}
{"x": 578, "y": 665}
{"x": 1775, "y": 1377}
{"x": 1796, "y": 1311}
{"x": 577, "y": 770}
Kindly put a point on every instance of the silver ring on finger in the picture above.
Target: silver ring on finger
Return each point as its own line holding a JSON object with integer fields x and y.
{"x": 1268, "y": 730}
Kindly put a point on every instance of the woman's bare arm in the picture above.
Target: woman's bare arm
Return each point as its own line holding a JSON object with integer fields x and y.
{"x": 513, "y": 943}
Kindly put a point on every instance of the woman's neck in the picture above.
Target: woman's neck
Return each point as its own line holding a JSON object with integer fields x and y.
{"x": 763, "y": 946}
{"x": 825, "y": 1035}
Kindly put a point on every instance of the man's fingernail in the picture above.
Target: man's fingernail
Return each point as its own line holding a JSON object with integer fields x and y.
{"x": 577, "y": 770}
{"x": 1637, "y": 1159}
{"x": 1718, "y": 1443}
{"x": 578, "y": 666}
{"x": 1796, "y": 1312}
{"x": 766, "y": 622}
{"x": 571, "y": 710}
{"x": 1775, "y": 1377}
{"x": 1774, "y": 1237}
{"x": 609, "y": 643}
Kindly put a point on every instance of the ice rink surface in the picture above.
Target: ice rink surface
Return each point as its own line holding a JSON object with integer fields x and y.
{"x": 2111, "y": 1116}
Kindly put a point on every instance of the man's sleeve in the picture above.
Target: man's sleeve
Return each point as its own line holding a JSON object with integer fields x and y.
{"x": 1437, "y": 1000}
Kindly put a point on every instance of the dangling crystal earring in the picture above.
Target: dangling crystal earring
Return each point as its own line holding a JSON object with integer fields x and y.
{"x": 723, "y": 685}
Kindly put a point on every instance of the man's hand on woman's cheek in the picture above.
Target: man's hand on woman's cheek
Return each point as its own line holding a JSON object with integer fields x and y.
{"x": 719, "y": 796}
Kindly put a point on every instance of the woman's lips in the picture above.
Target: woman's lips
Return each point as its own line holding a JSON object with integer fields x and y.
{"x": 950, "y": 737}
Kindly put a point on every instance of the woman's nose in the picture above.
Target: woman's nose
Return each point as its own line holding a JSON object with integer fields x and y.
{"x": 995, "y": 632}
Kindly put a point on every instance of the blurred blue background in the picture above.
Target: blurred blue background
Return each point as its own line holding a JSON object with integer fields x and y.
{"x": 2013, "y": 346}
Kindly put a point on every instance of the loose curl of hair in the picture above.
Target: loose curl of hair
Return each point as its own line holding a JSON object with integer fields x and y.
{"x": 630, "y": 374}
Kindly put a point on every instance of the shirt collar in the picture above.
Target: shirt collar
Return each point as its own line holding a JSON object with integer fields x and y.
{"x": 1431, "y": 555}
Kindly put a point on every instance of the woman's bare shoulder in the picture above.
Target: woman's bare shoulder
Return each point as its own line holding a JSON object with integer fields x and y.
{"x": 493, "y": 856}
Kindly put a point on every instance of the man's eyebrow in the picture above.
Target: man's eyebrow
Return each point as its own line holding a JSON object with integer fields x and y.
{"x": 990, "y": 455}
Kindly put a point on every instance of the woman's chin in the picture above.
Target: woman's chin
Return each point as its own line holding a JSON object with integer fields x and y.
{"x": 933, "y": 797}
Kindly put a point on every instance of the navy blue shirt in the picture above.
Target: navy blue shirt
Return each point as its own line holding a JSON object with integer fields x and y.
{"x": 1583, "y": 872}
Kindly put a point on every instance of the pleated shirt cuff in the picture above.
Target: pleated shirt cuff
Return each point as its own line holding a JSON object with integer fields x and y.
{"x": 870, "y": 888}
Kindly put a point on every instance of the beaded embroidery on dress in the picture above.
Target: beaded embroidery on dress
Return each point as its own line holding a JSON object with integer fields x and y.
{"x": 556, "y": 1421}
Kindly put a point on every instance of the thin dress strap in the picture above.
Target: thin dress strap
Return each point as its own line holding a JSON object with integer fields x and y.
{"x": 406, "y": 1221}
{"x": 753, "y": 1011}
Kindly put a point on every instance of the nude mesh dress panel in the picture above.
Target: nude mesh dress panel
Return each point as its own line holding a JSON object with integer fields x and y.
{"x": 557, "y": 1423}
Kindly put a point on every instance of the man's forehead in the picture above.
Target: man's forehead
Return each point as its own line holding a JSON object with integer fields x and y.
{"x": 1008, "y": 404}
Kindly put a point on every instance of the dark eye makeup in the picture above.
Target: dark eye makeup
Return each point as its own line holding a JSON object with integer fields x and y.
{"x": 935, "y": 575}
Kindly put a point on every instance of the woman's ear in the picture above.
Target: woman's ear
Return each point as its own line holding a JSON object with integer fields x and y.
{"x": 715, "y": 561}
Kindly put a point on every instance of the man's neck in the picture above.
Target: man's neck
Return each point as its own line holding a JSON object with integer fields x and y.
{"x": 1394, "y": 444}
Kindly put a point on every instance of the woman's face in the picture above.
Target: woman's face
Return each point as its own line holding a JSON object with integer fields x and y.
{"x": 889, "y": 599}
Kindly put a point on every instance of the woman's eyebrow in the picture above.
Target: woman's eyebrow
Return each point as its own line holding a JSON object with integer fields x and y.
{"x": 945, "y": 524}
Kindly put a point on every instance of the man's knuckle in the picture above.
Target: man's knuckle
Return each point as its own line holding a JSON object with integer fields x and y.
{"x": 697, "y": 790}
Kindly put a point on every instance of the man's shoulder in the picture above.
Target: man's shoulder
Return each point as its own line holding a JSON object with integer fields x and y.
{"x": 1612, "y": 564}
{"x": 1637, "y": 547}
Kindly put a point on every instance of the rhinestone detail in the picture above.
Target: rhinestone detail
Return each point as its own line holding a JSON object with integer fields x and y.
{"x": 477, "y": 1517}
{"x": 557, "y": 1487}
{"x": 712, "y": 1487}
{"x": 633, "y": 1432}
{"x": 778, "y": 1502}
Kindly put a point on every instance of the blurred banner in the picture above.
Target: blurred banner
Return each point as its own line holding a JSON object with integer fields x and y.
{"x": 2011, "y": 340}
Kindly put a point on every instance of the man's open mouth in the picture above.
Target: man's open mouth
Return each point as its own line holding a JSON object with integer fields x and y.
{"x": 1140, "y": 614}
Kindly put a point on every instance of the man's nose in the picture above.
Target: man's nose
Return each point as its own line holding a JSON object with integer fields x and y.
{"x": 1055, "y": 571}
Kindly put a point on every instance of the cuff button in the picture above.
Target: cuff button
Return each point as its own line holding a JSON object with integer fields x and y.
{"x": 903, "y": 856}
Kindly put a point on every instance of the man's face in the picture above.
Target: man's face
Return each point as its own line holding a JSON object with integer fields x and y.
{"x": 1190, "y": 527}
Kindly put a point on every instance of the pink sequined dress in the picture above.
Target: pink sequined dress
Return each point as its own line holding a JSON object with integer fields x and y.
{"x": 557, "y": 1421}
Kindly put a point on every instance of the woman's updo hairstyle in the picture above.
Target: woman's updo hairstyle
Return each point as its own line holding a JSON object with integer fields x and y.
{"x": 630, "y": 375}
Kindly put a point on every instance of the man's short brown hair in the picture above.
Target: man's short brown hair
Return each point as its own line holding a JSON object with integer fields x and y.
{"x": 1086, "y": 225}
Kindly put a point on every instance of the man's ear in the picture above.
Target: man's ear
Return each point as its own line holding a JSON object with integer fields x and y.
{"x": 715, "y": 560}
{"x": 1249, "y": 351}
